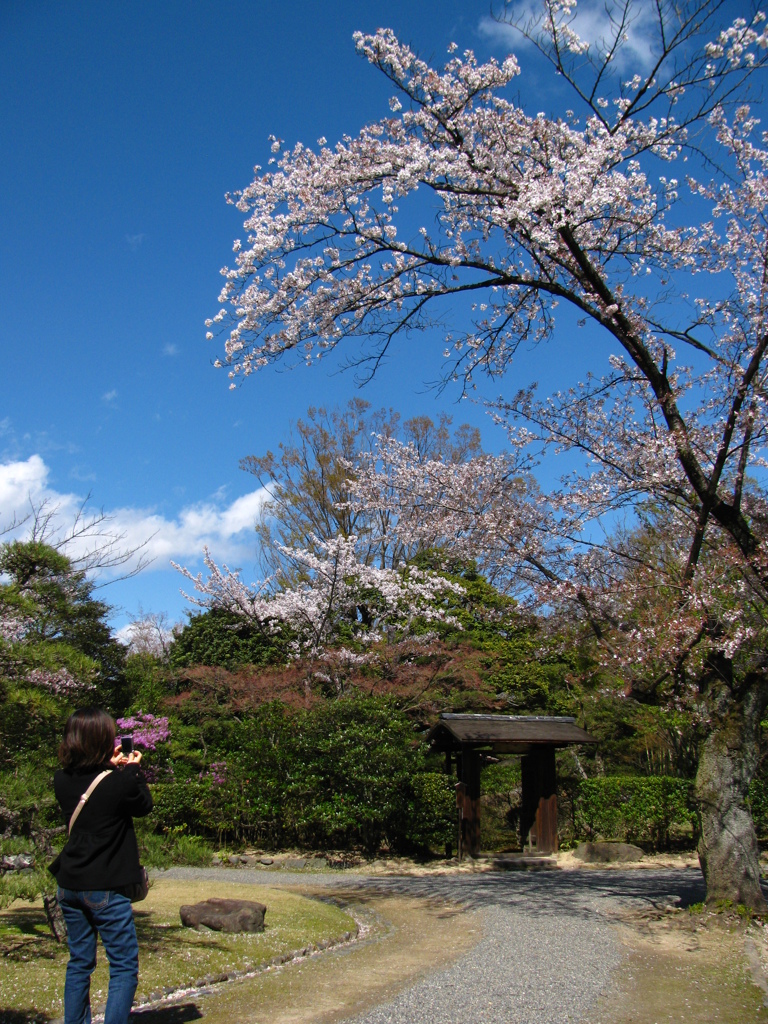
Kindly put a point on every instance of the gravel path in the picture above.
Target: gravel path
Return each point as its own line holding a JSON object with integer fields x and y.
{"x": 547, "y": 950}
{"x": 525, "y": 969}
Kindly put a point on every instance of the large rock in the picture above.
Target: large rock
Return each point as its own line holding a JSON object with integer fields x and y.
{"x": 608, "y": 853}
{"x": 224, "y": 915}
{"x": 17, "y": 862}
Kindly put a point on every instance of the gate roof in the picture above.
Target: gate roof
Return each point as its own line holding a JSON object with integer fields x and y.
{"x": 505, "y": 734}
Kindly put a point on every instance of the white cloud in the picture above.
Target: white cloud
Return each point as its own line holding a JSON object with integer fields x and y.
{"x": 243, "y": 511}
{"x": 591, "y": 23}
{"x": 134, "y": 241}
{"x": 501, "y": 33}
{"x": 21, "y": 482}
{"x": 170, "y": 350}
{"x": 82, "y": 475}
{"x": 109, "y": 396}
{"x": 225, "y": 527}
{"x": 124, "y": 635}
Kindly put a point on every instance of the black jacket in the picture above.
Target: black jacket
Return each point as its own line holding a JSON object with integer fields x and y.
{"x": 101, "y": 852}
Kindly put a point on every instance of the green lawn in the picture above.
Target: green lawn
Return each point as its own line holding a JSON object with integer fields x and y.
{"x": 33, "y": 966}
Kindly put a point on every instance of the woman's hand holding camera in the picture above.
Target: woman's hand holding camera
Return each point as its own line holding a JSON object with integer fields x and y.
{"x": 119, "y": 759}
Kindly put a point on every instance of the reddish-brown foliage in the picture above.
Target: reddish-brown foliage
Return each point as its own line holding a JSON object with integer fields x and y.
{"x": 424, "y": 680}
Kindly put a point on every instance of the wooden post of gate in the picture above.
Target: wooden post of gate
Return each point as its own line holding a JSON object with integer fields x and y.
{"x": 461, "y": 795}
{"x": 470, "y": 764}
{"x": 538, "y": 818}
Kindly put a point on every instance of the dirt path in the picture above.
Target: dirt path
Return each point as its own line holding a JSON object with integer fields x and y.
{"x": 679, "y": 970}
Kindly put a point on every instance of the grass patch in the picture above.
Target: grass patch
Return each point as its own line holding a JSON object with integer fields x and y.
{"x": 169, "y": 954}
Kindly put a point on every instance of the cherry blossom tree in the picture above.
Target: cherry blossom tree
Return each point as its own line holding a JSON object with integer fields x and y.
{"x": 150, "y": 634}
{"x": 308, "y": 480}
{"x": 525, "y": 210}
{"x": 693, "y": 640}
{"x": 338, "y": 598}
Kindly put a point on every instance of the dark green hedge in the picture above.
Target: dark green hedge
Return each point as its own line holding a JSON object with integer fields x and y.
{"x": 654, "y": 811}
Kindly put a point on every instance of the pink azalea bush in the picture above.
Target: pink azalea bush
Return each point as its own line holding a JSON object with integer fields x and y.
{"x": 147, "y": 730}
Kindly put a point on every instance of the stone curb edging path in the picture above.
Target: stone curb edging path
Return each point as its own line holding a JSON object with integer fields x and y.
{"x": 203, "y": 986}
{"x": 168, "y": 996}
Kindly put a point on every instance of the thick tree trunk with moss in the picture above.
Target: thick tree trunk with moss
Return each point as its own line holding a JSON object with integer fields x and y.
{"x": 728, "y": 846}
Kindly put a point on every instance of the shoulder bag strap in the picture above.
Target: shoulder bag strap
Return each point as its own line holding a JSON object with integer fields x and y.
{"x": 84, "y": 798}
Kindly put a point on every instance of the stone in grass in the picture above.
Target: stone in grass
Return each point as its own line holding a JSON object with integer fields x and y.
{"x": 17, "y": 862}
{"x": 608, "y": 853}
{"x": 222, "y": 915}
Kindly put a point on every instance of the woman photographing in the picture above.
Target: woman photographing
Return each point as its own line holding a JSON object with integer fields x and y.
{"x": 100, "y": 790}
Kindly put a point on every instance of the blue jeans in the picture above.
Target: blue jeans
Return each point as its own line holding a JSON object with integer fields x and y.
{"x": 109, "y": 914}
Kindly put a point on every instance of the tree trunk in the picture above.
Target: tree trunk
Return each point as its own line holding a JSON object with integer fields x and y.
{"x": 728, "y": 851}
{"x": 55, "y": 917}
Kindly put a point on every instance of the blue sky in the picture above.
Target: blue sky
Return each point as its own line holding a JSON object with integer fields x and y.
{"x": 123, "y": 127}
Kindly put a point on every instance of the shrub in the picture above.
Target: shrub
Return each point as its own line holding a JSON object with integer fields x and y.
{"x": 344, "y": 774}
{"x": 432, "y": 825}
{"x": 152, "y": 847}
{"x": 176, "y": 803}
{"x": 217, "y": 637}
{"x": 651, "y": 810}
{"x": 351, "y": 775}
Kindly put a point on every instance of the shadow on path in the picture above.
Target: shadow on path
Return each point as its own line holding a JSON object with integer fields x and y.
{"x": 552, "y": 893}
{"x": 30, "y": 1016}
{"x": 177, "y": 1014}
{"x": 548, "y": 893}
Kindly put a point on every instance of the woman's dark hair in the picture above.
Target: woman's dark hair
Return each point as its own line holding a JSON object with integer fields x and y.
{"x": 89, "y": 739}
